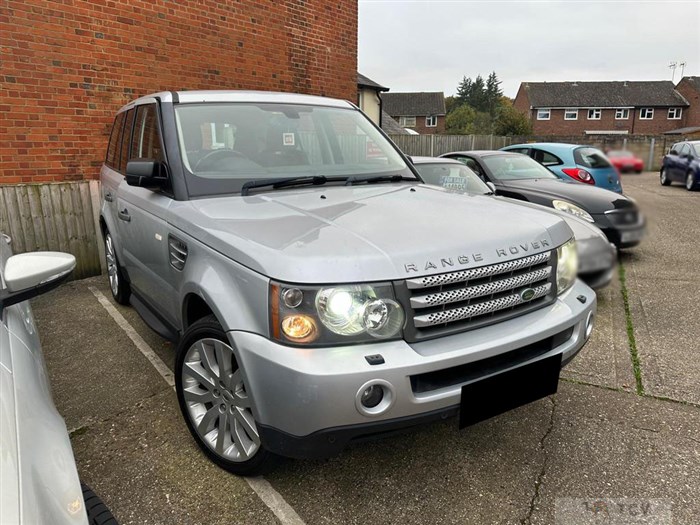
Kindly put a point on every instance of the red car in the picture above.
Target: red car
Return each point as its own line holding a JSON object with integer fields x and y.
{"x": 625, "y": 161}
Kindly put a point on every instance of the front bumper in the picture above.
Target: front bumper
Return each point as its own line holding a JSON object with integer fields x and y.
{"x": 622, "y": 236}
{"x": 305, "y": 400}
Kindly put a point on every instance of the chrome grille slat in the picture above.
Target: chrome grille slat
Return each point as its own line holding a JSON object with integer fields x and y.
{"x": 477, "y": 273}
{"x": 463, "y": 294}
{"x": 478, "y": 309}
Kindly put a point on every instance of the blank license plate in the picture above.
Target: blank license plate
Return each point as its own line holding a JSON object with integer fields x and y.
{"x": 503, "y": 392}
{"x": 635, "y": 235}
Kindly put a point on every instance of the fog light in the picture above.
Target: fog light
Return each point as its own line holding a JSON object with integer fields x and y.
{"x": 372, "y": 396}
{"x": 589, "y": 325}
{"x": 299, "y": 328}
{"x": 292, "y": 297}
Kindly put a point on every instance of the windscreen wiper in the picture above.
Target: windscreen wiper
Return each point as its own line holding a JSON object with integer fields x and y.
{"x": 315, "y": 180}
{"x": 378, "y": 178}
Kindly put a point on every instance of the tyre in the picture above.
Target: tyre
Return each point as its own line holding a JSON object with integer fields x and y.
{"x": 690, "y": 181}
{"x": 214, "y": 402}
{"x": 121, "y": 291}
{"x": 665, "y": 181}
{"x": 97, "y": 512}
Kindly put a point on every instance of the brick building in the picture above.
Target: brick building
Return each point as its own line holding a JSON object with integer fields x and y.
{"x": 689, "y": 88}
{"x": 571, "y": 108}
{"x": 422, "y": 112}
{"x": 67, "y": 66}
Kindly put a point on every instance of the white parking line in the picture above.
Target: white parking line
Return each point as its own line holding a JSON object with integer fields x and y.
{"x": 267, "y": 494}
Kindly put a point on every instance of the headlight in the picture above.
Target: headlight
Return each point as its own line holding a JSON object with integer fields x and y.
{"x": 572, "y": 209}
{"x": 334, "y": 315}
{"x": 567, "y": 266}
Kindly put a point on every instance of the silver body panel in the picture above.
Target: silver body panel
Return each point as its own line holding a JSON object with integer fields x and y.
{"x": 38, "y": 475}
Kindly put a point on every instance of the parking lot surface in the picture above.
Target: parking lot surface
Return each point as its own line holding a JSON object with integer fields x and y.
{"x": 608, "y": 433}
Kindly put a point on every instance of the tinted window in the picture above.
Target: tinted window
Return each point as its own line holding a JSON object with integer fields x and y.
{"x": 591, "y": 158}
{"x": 126, "y": 140}
{"x": 516, "y": 167}
{"x": 146, "y": 141}
{"x": 452, "y": 176}
{"x": 545, "y": 158}
{"x": 114, "y": 141}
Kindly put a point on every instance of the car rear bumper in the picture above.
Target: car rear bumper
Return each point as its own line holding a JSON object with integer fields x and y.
{"x": 306, "y": 401}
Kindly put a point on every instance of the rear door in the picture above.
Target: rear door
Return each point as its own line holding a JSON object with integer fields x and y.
{"x": 111, "y": 177}
{"x": 681, "y": 163}
{"x": 142, "y": 218}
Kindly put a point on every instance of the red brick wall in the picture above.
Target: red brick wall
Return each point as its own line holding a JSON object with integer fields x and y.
{"x": 691, "y": 115}
{"x": 67, "y": 66}
{"x": 556, "y": 125}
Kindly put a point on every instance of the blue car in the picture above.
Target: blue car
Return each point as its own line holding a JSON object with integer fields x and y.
{"x": 682, "y": 164}
{"x": 573, "y": 161}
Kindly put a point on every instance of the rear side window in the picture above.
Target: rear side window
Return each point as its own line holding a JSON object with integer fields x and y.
{"x": 545, "y": 158}
{"x": 146, "y": 141}
{"x": 590, "y": 158}
{"x": 115, "y": 141}
{"x": 126, "y": 140}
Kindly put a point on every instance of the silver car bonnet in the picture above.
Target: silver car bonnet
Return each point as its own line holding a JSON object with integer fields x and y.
{"x": 366, "y": 233}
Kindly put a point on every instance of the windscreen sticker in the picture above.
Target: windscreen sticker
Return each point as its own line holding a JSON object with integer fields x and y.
{"x": 288, "y": 139}
{"x": 453, "y": 183}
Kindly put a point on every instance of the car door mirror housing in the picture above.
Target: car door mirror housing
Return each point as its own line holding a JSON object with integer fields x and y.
{"x": 673, "y": 152}
{"x": 491, "y": 186}
{"x": 146, "y": 173}
{"x": 27, "y": 275}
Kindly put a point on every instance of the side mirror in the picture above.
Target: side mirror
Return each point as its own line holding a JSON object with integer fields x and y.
{"x": 146, "y": 173}
{"x": 492, "y": 187}
{"x": 30, "y": 274}
{"x": 673, "y": 152}
{"x": 410, "y": 159}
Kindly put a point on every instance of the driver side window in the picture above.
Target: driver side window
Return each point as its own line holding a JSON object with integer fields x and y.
{"x": 146, "y": 140}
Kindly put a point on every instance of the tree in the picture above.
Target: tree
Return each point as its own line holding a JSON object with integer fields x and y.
{"x": 464, "y": 91}
{"x": 460, "y": 120}
{"x": 451, "y": 103}
{"x": 511, "y": 122}
{"x": 493, "y": 93}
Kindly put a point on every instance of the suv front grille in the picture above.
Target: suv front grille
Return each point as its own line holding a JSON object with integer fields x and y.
{"x": 443, "y": 304}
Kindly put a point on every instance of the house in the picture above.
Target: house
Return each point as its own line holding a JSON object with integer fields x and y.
{"x": 626, "y": 107}
{"x": 391, "y": 126}
{"x": 423, "y": 112}
{"x": 689, "y": 88}
{"x": 368, "y": 98}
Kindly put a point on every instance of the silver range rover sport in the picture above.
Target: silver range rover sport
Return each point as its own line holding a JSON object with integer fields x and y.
{"x": 318, "y": 292}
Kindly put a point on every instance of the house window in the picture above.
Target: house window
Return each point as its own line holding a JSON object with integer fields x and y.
{"x": 431, "y": 121}
{"x": 594, "y": 114}
{"x": 543, "y": 114}
{"x": 675, "y": 113}
{"x": 407, "y": 122}
{"x": 646, "y": 113}
{"x": 622, "y": 114}
{"x": 571, "y": 114}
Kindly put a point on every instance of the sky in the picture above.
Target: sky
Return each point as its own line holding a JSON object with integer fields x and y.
{"x": 418, "y": 45}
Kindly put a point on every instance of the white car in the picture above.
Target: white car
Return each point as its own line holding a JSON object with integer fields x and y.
{"x": 38, "y": 476}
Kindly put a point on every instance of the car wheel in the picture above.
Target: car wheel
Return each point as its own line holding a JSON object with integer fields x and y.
{"x": 690, "y": 181}
{"x": 97, "y": 512}
{"x": 665, "y": 181}
{"x": 214, "y": 401}
{"x": 121, "y": 291}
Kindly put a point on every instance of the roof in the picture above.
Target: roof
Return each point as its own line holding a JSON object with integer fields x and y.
{"x": 683, "y": 131}
{"x": 482, "y": 153}
{"x": 433, "y": 160}
{"x": 414, "y": 104}
{"x": 364, "y": 81}
{"x": 693, "y": 81}
{"x": 603, "y": 94}
{"x": 390, "y": 126}
{"x": 191, "y": 97}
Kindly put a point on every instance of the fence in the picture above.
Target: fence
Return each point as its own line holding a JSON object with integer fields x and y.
{"x": 649, "y": 148}
{"x": 58, "y": 217}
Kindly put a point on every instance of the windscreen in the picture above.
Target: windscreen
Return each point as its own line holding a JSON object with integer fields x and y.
{"x": 516, "y": 167}
{"x": 452, "y": 176}
{"x": 591, "y": 158}
{"x": 224, "y": 145}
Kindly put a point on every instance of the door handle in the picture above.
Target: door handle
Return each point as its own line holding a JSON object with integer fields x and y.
{"x": 124, "y": 215}
{"x": 108, "y": 197}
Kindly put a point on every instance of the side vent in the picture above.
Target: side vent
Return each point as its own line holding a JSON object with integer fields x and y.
{"x": 178, "y": 252}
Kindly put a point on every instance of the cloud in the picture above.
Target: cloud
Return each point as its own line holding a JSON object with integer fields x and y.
{"x": 431, "y": 45}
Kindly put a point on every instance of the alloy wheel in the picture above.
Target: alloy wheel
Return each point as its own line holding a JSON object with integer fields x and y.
{"x": 217, "y": 402}
{"x": 111, "y": 265}
{"x": 689, "y": 181}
